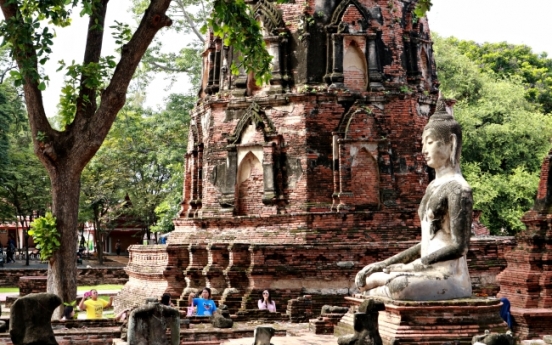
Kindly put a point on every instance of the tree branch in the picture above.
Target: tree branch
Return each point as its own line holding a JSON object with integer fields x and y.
{"x": 86, "y": 102}
{"x": 6, "y": 72}
{"x": 190, "y": 21}
{"x": 114, "y": 96}
{"x": 166, "y": 68}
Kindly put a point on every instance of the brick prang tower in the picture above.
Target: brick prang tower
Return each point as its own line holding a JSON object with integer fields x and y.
{"x": 295, "y": 185}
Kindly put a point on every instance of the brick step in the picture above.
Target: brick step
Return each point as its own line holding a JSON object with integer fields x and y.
{"x": 345, "y": 325}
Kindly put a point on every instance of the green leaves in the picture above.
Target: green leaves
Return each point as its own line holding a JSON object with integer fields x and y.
{"x": 30, "y": 37}
{"x": 95, "y": 76}
{"x": 142, "y": 158}
{"x": 505, "y": 136}
{"x": 70, "y": 304}
{"x": 24, "y": 184}
{"x": 45, "y": 235}
{"x": 422, "y": 7}
{"x": 121, "y": 33}
{"x": 233, "y": 22}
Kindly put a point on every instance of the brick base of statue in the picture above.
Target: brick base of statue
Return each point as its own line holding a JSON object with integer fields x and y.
{"x": 431, "y": 322}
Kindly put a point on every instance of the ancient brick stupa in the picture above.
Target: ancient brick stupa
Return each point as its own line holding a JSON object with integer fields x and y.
{"x": 527, "y": 281}
{"x": 295, "y": 185}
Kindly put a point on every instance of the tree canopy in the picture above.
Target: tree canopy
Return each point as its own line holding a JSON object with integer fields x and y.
{"x": 506, "y": 60}
{"x": 24, "y": 184}
{"x": 506, "y": 134}
{"x": 94, "y": 94}
{"x": 142, "y": 158}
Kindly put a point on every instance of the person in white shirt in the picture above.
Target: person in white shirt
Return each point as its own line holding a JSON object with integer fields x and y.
{"x": 266, "y": 302}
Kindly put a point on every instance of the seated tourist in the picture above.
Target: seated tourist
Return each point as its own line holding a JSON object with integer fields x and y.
{"x": 205, "y": 305}
{"x": 166, "y": 300}
{"x": 68, "y": 313}
{"x": 266, "y": 302}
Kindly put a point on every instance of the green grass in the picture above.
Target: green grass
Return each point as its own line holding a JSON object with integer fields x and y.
{"x": 79, "y": 289}
{"x": 8, "y": 289}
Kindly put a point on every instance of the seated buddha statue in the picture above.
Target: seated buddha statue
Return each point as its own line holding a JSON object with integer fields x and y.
{"x": 435, "y": 268}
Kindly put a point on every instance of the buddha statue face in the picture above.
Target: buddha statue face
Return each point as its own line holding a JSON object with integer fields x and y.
{"x": 437, "y": 153}
{"x": 442, "y": 141}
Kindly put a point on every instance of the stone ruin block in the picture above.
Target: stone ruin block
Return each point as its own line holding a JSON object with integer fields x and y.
{"x": 221, "y": 318}
{"x": 30, "y": 319}
{"x": 147, "y": 325}
{"x": 263, "y": 335}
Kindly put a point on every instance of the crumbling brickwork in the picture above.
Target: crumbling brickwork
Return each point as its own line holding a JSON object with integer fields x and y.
{"x": 527, "y": 281}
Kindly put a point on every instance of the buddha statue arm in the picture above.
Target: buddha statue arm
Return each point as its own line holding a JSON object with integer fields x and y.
{"x": 460, "y": 205}
{"x": 405, "y": 256}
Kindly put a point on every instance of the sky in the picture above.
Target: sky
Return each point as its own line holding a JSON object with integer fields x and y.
{"x": 520, "y": 22}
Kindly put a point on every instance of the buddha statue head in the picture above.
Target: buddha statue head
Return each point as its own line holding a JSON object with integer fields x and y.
{"x": 443, "y": 127}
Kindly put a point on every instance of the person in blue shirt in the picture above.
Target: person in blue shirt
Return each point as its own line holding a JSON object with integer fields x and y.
{"x": 204, "y": 304}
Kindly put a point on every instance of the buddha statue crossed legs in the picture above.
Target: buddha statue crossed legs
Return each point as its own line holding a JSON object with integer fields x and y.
{"x": 436, "y": 268}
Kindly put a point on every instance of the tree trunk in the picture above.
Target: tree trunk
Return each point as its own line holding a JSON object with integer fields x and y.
{"x": 66, "y": 153}
{"x": 62, "y": 267}
{"x": 98, "y": 238}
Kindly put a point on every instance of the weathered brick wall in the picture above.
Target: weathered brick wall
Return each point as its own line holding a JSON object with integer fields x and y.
{"x": 352, "y": 15}
{"x": 32, "y": 284}
{"x": 86, "y": 276}
{"x": 326, "y": 271}
{"x": 153, "y": 271}
{"x": 302, "y": 228}
{"x": 306, "y": 123}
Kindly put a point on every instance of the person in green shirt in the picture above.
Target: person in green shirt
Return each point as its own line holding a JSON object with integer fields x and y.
{"x": 94, "y": 307}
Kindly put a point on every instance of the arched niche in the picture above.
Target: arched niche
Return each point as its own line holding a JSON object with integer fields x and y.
{"x": 351, "y": 21}
{"x": 356, "y": 149}
{"x": 250, "y": 186}
{"x": 275, "y": 36}
{"x": 361, "y": 125}
{"x": 253, "y": 137}
{"x": 355, "y": 68}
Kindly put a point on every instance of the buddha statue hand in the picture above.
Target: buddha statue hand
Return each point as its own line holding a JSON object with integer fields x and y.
{"x": 360, "y": 279}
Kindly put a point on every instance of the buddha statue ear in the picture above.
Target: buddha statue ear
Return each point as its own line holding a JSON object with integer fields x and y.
{"x": 454, "y": 146}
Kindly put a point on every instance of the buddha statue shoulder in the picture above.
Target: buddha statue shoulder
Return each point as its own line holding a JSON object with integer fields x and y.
{"x": 435, "y": 268}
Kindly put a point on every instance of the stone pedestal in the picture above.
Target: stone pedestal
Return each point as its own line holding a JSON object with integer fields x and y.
{"x": 432, "y": 322}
